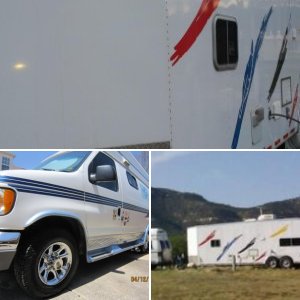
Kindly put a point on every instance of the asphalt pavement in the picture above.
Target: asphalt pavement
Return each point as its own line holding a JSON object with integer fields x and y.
{"x": 124, "y": 276}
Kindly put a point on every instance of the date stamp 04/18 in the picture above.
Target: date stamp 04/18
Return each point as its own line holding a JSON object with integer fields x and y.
{"x": 140, "y": 279}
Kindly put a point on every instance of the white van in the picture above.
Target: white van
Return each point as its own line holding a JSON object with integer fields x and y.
{"x": 79, "y": 203}
{"x": 161, "y": 249}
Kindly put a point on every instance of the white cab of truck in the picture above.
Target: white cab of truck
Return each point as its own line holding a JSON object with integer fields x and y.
{"x": 88, "y": 203}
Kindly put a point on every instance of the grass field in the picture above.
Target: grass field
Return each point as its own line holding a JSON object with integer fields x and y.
{"x": 222, "y": 283}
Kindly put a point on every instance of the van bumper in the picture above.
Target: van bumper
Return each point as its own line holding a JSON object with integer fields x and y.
{"x": 8, "y": 247}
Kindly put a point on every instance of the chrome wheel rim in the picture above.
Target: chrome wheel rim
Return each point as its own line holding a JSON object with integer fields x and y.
{"x": 55, "y": 264}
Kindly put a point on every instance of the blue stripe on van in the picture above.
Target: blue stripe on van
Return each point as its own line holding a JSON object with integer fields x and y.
{"x": 43, "y": 188}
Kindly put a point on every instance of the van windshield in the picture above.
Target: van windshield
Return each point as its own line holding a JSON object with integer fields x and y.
{"x": 64, "y": 162}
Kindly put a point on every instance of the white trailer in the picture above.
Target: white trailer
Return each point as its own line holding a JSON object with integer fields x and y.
{"x": 141, "y": 73}
{"x": 275, "y": 243}
{"x": 161, "y": 249}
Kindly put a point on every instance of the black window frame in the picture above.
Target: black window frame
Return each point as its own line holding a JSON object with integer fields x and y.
{"x": 132, "y": 180}
{"x": 229, "y": 65}
{"x": 104, "y": 185}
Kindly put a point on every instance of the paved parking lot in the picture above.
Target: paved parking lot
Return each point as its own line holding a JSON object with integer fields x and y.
{"x": 117, "y": 277}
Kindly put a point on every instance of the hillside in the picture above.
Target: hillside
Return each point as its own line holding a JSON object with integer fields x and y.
{"x": 175, "y": 211}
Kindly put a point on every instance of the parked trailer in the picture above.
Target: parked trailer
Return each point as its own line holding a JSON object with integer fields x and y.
{"x": 140, "y": 73}
{"x": 275, "y": 243}
{"x": 161, "y": 249}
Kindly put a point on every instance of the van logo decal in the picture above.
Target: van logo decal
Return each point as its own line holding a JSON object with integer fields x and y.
{"x": 207, "y": 8}
{"x": 208, "y": 238}
{"x": 228, "y": 245}
{"x": 249, "y": 74}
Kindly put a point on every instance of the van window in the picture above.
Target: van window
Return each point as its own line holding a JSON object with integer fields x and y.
{"x": 215, "y": 243}
{"x": 132, "y": 180}
{"x": 226, "y": 50}
{"x": 101, "y": 160}
{"x": 167, "y": 244}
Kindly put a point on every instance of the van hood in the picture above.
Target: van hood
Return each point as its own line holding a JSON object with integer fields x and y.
{"x": 71, "y": 180}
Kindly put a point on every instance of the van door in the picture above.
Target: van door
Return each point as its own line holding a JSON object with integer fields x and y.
{"x": 103, "y": 200}
{"x": 135, "y": 213}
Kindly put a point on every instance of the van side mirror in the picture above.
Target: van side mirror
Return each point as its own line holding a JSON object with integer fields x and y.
{"x": 104, "y": 173}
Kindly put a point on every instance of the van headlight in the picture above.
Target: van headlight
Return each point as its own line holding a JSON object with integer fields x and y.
{"x": 7, "y": 200}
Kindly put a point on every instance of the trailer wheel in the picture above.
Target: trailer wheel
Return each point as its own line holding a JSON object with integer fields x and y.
{"x": 46, "y": 263}
{"x": 286, "y": 262}
{"x": 272, "y": 262}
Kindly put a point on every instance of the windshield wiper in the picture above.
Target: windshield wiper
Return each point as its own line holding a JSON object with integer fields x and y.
{"x": 44, "y": 169}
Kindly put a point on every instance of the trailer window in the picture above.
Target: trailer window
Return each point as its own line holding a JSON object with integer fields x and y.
{"x": 226, "y": 50}
{"x": 289, "y": 242}
{"x": 101, "y": 160}
{"x": 215, "y": 243}
{"x": 132, "y": 180}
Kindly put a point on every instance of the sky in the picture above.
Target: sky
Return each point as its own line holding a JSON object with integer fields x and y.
{"x": 31, "y": 159}
{"x": 242, "y": 179}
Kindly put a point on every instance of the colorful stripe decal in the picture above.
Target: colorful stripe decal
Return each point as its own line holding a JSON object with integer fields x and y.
{"x": 207, "y": 8}
{"x": 280, "y": 231}
{"x": 262, "y": 256}
{"x": 226, "y": 248}
{"x": 249, "y": 74}
{"x": 281, "y": 60}
{"x": 47, "y": 189}
{"x": 248, "y": 246}
{"x": 208, "y": 238}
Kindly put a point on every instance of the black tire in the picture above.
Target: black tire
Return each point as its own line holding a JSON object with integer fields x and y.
{"x": 28, "y": 260}
{"x": 145, "y": 248}
{"x": 286, "y": 262}
{"x": 272, "y": 262}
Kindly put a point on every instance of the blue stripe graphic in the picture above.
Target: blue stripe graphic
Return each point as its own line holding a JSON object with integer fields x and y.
{"x": 249, "y": 74}
{"x": 42, "y": 188}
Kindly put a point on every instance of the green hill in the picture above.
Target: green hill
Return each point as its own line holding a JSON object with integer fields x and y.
{"x": 175, "y": 211}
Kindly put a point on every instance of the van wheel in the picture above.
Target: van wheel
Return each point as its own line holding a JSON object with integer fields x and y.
{"x": 272, "y": 262}
{"x": 45, "y": 265}
{"x": 145, "y": 248}
{"x": 286, "y": 262}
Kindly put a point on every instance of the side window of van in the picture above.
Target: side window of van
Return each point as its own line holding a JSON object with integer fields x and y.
{"x": 132, "y": 180}
{"x": 226, "y": 46}
{"x": 102, "y": 160}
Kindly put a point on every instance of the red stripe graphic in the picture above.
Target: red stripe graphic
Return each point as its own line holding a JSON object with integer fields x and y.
{"x": 208, "y": 238}
{"x": 206, "y": 10}
{"x": 262, "y": 256}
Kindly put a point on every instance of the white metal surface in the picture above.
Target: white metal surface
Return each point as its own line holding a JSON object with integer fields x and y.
{"x": 79, "y": 74}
